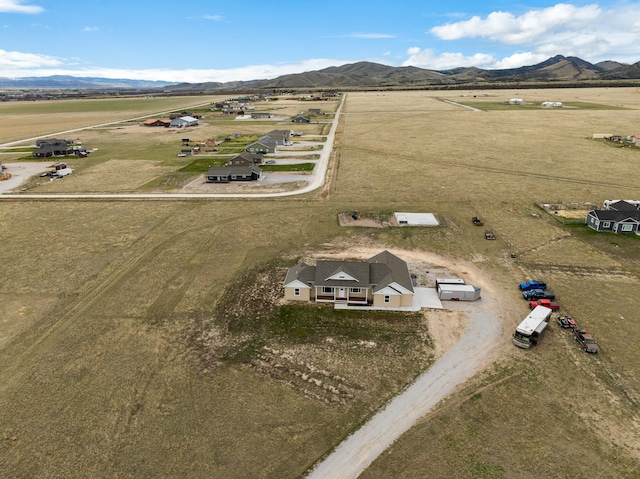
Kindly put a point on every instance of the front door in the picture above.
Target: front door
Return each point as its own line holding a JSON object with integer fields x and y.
{"x": 342, "y": 293}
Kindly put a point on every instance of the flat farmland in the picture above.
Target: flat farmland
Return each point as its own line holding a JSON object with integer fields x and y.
{"x": 147, "y": 338}
{"x": 19, "y": 120}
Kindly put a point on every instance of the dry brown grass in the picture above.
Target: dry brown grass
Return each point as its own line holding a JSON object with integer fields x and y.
{"x": 99, "y": 299}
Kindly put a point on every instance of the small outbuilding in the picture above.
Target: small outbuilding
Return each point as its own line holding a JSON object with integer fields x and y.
{"x": 416, "y": 219}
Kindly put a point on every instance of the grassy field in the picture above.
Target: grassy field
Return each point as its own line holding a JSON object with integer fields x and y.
{"x": 146, "y": 339}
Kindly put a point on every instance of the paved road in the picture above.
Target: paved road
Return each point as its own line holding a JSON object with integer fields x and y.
{"x": 315, "y": 180}
{"x": 461, "y": 362}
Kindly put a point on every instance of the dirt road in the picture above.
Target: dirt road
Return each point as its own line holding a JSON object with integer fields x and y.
{"x": 475, "y": 349}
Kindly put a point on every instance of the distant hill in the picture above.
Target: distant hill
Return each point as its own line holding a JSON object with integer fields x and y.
{"x": 62, "y": 82}
{"x": 554, "y": 71}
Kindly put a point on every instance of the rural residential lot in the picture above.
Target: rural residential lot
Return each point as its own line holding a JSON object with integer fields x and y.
{"x": 149, "y": 339}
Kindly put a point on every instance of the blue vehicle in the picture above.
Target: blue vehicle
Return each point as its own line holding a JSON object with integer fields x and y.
{"x": 537, "y": 293}
{"x": 533, "y": 284}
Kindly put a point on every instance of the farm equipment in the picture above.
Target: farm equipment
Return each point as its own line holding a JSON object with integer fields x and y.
{"x": 476, "y": 221}
{"x": 488, "y": 235}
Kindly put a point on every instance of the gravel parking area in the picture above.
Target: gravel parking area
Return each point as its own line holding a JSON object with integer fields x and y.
{"x": 20, "y": 172}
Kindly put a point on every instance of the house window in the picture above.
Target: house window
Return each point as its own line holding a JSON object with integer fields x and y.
{"x": 233, "y": 177}
{"x": 606, "y": 224}
{"x": 327, "y": 289}
{"x": 387, "y": 299}
{"x": 355, "y": 290}
{"x": 296, "y": 291}
{"x": 627, "y": 228}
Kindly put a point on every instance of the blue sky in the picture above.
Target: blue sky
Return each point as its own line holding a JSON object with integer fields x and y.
{"x": 229, "y": 40}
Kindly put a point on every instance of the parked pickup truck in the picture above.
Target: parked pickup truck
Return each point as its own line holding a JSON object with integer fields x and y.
{"x": 546, "y": 303}
{"x": 587, "y": 342}
{"x": 532, "y": 294}
{"x": 533, "y": 284}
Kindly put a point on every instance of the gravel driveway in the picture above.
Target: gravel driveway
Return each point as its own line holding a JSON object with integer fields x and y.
{"x": 465, "y": 358}
{"x": 20, "y": 172}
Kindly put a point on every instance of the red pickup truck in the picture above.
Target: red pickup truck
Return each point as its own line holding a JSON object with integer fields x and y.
{"x": 547, "y": 303}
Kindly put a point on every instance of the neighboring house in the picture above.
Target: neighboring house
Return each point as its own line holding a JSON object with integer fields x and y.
{"x": 614, "y": 221}
{"x": 622, "y": 205}
{"x": 381, "y": 281}
{"x": 516, "y": 101}
{"x": 260, "y": 147}
{"x": 174, "y": 116}
{"x": 156, "y": 122}
{"x": 245, "y": 159}
{"x": 184, "y": 121}
{"x": 276, "y": 137}
{"x": 226, "y": 174}
{"x": 552, "y": 104}
{"x": 260, "y": 114}
{"x": 315, "y": 111}
{"x": 300, "y": 119}
{"x": 52, "y": 147}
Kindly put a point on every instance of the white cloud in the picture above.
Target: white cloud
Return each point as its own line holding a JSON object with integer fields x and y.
{"x": 428, "y": 59}
{"x": 215, "y": 18}
{"x": 18, "y": 60}
{"x": 253, "y": 72}
{"x": 589, "y": 32}
{"x": 504, "y": 27}
{"x": 16, "y": 6}
{"x": 90, "y": 29}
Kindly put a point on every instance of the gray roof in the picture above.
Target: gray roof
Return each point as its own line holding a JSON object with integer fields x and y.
{"x": 301, "y": 272}
{"x": 622, "y": 205}
{"x": 387, "y": 268}
{"x": 617, "y": 216}
{"x": 356, "y": 269}
{"x": 379, "y": 271}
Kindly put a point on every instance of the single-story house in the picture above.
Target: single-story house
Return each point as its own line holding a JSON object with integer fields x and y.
{"x": 552, "y": 104}
{"x": 301, "y": 119}
{"x": 226, "y": 174}
{"x": 516, "y": 101}
{"x": 614, "y": 221}
{"x": 184, "y": 121}
{"x": 260, "y": 147}
{"x": 52, "y": 147}
{"x": 245, "y": 159}
{"x": 380, "y": 281}
{"x": 260, "y": 114}
{"x": 315, "y": 111}
{"x": 156, "y": 122}
{"x": 277, "y": 137}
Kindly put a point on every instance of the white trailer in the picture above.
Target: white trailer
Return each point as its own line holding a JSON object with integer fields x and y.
{"x": 458, "y": 292}
{"x": 449, "y": 281}
{"x": 531, "y": 330}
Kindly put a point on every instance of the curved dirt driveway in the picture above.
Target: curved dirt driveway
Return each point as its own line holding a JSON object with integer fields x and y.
{"x": 470, "y": 354}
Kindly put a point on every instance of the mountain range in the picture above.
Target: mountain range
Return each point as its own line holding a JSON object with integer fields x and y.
{"x": 558, "y": 70}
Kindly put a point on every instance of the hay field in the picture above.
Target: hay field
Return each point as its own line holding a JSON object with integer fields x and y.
{"x": 123, "y": 354}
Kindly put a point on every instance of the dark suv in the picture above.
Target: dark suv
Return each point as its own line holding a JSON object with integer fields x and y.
{"x": 587, "y": 341}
